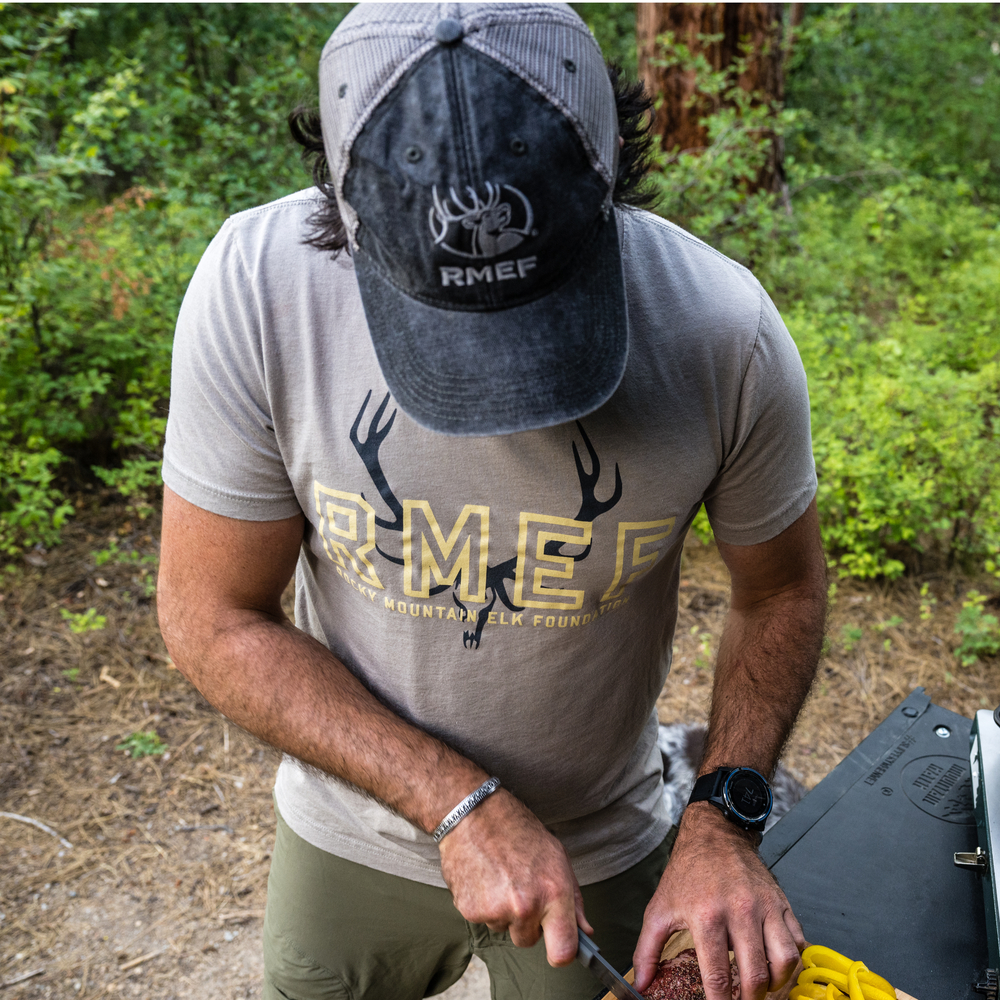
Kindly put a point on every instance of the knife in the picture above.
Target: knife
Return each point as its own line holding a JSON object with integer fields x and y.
{"x": 589, "y": 955}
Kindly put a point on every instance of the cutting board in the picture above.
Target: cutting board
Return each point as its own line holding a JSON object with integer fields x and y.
{"x": 682, "y": 940}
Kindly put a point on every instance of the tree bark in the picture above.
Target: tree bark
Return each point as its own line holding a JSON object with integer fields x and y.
{"x": 740, "y": 25}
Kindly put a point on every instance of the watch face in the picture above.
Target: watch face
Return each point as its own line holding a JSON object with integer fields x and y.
{"x": 749, "y": 795}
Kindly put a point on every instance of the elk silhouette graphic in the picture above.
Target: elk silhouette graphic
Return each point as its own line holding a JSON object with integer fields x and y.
{"x": 489, "y": 220}
{"x": 496, "y": 576}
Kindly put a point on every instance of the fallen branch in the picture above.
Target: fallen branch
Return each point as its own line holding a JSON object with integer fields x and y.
{"x": 155, "y": 844}
{"x": 21, "y": 978}
{"x": 228, "y": 918}
{"x": 142, "y": 958}
{"x": 150, "y": 655}
{"x": 108, "y": 679}
{"x": 41, "y": 826}
{"x": 216, "y": 826}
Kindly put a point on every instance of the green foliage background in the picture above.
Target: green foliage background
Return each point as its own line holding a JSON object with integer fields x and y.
{"x": 129, "y": 132}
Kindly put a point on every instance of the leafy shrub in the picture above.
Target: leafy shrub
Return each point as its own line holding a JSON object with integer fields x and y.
{"x": 894, "y": 308}
{"x": 894, "y": 302}
{"x": 904, "y": 87}
{"x": 32, "y": 508}
{"x": 85, "y": 354}
{"x": 128, "y": 134}
{"x": 130, "y": 131}
{"x": 142, "y": 744}
{"x": 980, "y": 632}
{"x": 84, "y": 621}
{"x": 711, "y": 192}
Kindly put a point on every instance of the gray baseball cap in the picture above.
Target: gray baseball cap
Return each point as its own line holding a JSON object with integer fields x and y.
{"x": 473, "y": 150}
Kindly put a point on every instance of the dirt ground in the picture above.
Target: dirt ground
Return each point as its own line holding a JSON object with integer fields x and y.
{"x": 162, "y": 890}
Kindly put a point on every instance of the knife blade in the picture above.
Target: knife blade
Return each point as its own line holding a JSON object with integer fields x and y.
{"x": 589, "y": 956}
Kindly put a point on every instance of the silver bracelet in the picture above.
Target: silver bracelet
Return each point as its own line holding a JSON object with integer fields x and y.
{"x": 484, "y": 791}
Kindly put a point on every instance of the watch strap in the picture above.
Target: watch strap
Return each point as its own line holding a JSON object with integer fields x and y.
{"x": 712, "y": 788}
{"x": 709, "y": 786}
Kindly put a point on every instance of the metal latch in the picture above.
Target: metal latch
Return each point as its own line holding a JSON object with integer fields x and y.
{"x": 989, "y": 984}
{"x": 979, "y": 862}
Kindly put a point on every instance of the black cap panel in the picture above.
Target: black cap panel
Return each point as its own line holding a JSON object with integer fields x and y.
{"x": 473, "y": 191}
{"x": 535, "y": 365}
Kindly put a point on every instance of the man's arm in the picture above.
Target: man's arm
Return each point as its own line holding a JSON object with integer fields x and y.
{"x": 715, "y": 883}
{"x": 219, "y": 600}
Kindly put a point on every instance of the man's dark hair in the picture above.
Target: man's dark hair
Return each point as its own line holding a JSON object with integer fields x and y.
{"x": 635, "y": 120}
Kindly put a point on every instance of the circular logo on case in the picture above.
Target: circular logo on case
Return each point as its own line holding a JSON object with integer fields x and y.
{"x": 941, "y": 787}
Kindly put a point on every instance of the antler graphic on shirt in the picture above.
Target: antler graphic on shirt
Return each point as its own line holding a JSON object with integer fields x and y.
{"x": 368, "y": 450}
{"x": 590, "y": 507}
{"x": 496, "y": 576}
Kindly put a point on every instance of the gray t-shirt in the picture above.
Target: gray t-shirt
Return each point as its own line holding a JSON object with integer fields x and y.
{"x": 514, "y": 595}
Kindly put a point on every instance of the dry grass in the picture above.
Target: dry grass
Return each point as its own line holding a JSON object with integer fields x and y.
{"x": 169, "y": 851}
{"x": 160, "y": 895}
{"x": 879, "y": 648}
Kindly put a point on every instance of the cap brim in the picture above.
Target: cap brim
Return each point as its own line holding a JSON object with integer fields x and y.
{"x": 498, "y": 372}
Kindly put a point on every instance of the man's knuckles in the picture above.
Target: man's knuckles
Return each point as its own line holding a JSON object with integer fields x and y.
{"x": 717, "y": 983}
{"x": 746, "y": 911}
{"x": 782, "y": 965}
{"x": 709, "y": 916}
{"x": 754, "y": 982}
{"x": 524, "y": 936}
{"x": 524, "y": 907}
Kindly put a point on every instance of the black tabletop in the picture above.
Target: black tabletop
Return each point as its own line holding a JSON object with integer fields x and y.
{"x": 867, "y": 857}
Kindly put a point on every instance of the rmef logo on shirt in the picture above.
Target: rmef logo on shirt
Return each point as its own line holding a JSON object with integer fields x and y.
{"x": 453, "y": 554}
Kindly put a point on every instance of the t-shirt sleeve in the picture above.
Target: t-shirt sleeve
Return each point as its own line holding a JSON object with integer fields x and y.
{"x": 769, "y": 476}
{"x": 221, "y": 452}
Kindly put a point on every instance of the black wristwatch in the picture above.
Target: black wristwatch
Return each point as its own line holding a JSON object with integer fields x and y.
{"x": 741, "y": 793}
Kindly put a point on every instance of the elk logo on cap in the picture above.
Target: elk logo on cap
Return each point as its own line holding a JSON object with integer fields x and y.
{"x": 484, "y": 226}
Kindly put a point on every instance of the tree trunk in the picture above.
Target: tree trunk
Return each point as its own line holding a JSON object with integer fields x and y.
{"x": 757, "y": 25}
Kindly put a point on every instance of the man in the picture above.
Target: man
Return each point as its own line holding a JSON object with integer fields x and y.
{"x": 478, "y": 438}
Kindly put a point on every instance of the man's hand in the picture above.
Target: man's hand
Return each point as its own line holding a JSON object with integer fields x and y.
{"x": 716, "y": 886}
{"x": 507, "y": 871}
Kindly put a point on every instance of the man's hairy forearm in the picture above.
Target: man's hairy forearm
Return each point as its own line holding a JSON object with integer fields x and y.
{"x": 294, "y": 694}
{"x": 766, "y": 663}
{"x": 219, "y": 599}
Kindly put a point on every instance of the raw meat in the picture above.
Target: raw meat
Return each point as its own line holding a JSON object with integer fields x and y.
{"x": 680, "y": 979}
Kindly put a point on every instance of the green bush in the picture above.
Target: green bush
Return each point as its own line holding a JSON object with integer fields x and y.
{"x": 893, "y": 298}
{"x": 980, "y": 632}
{"x": 712, "y": 192}
{"x": 898, "y": 87}
{"x": 895, "y": 308}
{"x": 128, "y": 133}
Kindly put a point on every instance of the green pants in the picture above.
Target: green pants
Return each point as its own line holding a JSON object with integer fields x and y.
{"x": 336, "y": 930}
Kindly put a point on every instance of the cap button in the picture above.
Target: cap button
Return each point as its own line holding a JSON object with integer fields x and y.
{"x": 448, "y": 31}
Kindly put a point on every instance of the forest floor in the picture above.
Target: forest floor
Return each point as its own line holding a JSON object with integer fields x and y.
{"x": 162, "y": 892}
